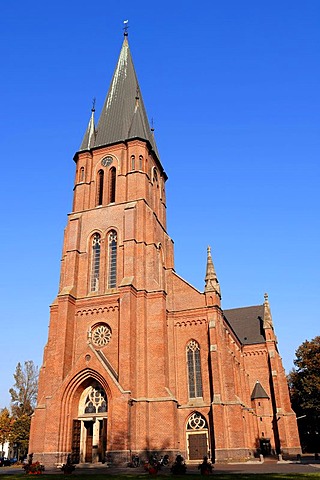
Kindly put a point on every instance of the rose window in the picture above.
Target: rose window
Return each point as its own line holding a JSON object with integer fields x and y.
{"x": 101, "y": 335}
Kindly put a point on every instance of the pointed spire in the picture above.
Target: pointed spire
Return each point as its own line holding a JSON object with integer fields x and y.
{"x": 267, "y": 318}
{"x": 89, "y": 137}
{"x": 211, "y": 280}
{"x": 123, "y": 116}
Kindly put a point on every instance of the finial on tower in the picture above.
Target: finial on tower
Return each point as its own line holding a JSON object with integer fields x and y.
{"x": 267, "y": 318}
{"x": 88, "y": 140}
{"x": 211, "y": 280}
{"x": 125, "y": 28}
{"x": 152, "y": 125}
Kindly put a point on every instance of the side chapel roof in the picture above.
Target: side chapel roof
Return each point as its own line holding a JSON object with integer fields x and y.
{"x": 123, "y": 115}
{"x": 247, "y": 323}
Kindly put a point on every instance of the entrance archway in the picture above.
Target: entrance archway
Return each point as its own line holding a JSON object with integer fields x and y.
{"x": 197, "y": 437}
{"x": 89, "y": 435}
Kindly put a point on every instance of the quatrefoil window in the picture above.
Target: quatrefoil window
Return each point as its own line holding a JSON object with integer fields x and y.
{"x": 101, "y": 335}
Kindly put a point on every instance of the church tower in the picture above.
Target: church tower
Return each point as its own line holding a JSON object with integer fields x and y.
{"x": 137, "y": 359}
{"x": 104, "y": 357}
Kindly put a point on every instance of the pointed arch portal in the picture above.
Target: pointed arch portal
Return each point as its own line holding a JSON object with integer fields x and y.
{"x": 89, "y": 430}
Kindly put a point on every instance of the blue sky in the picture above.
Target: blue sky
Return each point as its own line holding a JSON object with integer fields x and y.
{"x": 233, "y": 88}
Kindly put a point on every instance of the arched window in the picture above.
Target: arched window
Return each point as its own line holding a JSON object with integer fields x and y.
{"x": 133, "y": 162}
{"x": 155, "y": 176}
{"x": 194, "y": 369}
{"x": 100, "y": 187}
{"x": 140, "y": 162}
{"x": 112, "y": 259}
{"x": 96, "y": 401}
{"x": 82, "y": 174}
{"x": 95, "y": 263}
{"x": 112, "y": 185}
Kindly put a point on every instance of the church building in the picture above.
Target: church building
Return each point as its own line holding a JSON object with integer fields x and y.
{"x": 137, "y": 359}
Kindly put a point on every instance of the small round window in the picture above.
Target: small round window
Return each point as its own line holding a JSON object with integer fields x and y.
{"x": 101, "y": 335}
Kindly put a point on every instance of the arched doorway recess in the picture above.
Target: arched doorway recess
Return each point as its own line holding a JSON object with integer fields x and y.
{"x": 89, "y": 435}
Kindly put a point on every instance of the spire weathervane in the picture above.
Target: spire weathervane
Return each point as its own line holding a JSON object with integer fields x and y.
{"x": 125, "y": 28}
{"x": 93, "y": 109}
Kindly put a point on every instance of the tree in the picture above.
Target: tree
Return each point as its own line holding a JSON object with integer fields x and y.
{"x": 24, "y": 392}
{"x": 20, "y": 434}
{"x": 304, "y": 384}
{"x": 5, "y": 427}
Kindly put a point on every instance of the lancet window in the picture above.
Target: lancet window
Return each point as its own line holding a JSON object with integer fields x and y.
{"x": 100, "y": 181}
{"x": 133, "y": 162}
{"x": 112, "y": 185}
{"x": 112, "y": 259}
{"x": 95, "y": 262}
{"x": 155, "y": 176}
{"x": 194, "y": 369}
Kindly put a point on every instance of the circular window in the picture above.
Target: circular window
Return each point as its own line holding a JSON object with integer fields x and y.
{"x": 101, "y": 335}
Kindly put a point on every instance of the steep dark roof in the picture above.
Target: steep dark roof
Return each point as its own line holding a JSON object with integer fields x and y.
{"x": 123, "y": 115}
{"x": 258, "y": 392}
{"x": 89, "y": 136}
{"x": 247, "y": 323}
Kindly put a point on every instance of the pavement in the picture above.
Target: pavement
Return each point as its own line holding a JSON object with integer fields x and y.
{"x": 270, "y": 465}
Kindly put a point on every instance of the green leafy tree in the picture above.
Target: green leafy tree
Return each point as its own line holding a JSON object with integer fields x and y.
{"x": 20, "y": 434}
{"x": 304, "y": 384}
{"x": 6, "y": 422}
{"x": 24, "y": 392}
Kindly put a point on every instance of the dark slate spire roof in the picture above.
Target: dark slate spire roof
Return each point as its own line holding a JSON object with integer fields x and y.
{"x": 123, "y": 116}
{"x": 247, "y": 323}
{"x": 89, "y": 137}
{"x": 258, "y": 392}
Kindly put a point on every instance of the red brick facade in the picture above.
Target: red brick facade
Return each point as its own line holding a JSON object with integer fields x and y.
{"x": 137, "y": 359}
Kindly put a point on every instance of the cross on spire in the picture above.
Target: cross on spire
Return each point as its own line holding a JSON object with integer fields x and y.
{"x": 125, "y": 28}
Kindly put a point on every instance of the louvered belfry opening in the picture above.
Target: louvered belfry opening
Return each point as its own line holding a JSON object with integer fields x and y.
{"x": 100, "y": 187}
{"x": 112, "y": 185}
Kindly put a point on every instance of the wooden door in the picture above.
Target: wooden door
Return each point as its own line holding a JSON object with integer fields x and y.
{"x": 89, "y": 438}
{"x": 102, "y": 440}
{"x": 197, "y": 446}
{"x": 75, "y": 450}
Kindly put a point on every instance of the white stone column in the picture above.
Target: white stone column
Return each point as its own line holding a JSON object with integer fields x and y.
{"x": 95, "y": 441}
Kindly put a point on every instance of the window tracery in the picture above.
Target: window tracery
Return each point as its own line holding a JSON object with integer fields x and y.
{"x": 112, "y": 267}
{"x": 196, "y": 422}
{"x": 96, "y": 401}
{"x": 194, "y": 369}
{"x": 95, "y": 262}
{"x": 101, "y": 335}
